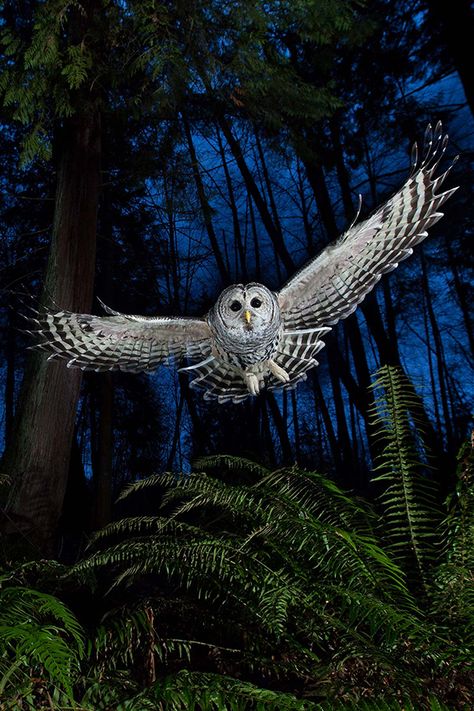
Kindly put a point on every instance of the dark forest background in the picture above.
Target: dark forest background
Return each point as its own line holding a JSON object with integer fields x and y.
{"x": 151, "y": 154}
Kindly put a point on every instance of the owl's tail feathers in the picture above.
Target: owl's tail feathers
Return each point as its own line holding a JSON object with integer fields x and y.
{"x": 219, "y": 381}
{"x": 296, "y": 355}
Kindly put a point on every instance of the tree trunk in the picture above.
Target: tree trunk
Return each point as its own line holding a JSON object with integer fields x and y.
{"x": 462, "y": 294}
{"x": 273, "y": 231}
{"x": 344, "y": 444}
{"x": 239, "y": 242}
{"x": 342, "y": 172}
{"x": 38, "y": 457}
{"x": 439, "y": 350}
{"x": 256, "y": 243}
{"x": 333, "y": 439}
{"x": 204, "y": 203}
{"x": 9, "y": 378}
{"x": 317, "y": 180}
{"x": 281, "y": 427}
{"x": 456, "y": 22}
{"x": 104, "y": 467}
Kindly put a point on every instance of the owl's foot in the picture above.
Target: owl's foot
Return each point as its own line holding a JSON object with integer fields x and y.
{"x": 278, "y": 372}
{"x": 252, "y": 382}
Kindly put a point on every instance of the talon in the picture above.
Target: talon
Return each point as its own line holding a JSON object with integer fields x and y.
{"x": 278, "y": 372}
{"x": 252, "y": 382}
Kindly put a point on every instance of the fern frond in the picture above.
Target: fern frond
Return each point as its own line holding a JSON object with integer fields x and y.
{"x": 285, "y": 558}
{"x": 37, "y": 629}
{"x": 409, "y": 498}
{"x": 459, "y": 522}
{"x": 453, "y": 590}
{"x": 149, "y": 482}
{"x": 193, "y": 691}
{"x": 226, "y": 463}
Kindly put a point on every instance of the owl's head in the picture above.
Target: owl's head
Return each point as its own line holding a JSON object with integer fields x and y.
{"x": 246, "y": 309}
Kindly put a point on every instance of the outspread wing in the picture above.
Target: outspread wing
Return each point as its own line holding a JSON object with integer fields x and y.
{"x": 119, "y": 341}
{"x": 331, "y": 286}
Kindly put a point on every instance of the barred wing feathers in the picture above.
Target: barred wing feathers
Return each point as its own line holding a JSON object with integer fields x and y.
{"x": 119, "y": 341}
{"x": 332, "y": 285}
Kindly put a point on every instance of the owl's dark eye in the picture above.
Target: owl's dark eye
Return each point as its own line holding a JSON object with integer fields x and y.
{"x": 256, "y": 303}
{"x": 235, "y": 306}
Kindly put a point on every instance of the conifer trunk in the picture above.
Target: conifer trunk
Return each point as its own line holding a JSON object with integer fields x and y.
{"x": 240, "y": 243}
{"x": 204, "y": 203}
{"x": 9, "y": 393}
{"x": 37, "y": 459}
{"x": 456, "y": 21}
{"x": 104, "y": 468}
{"x": 273, "y": 231}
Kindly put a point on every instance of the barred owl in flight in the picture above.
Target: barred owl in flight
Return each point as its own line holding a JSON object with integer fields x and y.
{"x": 253, "y": 338}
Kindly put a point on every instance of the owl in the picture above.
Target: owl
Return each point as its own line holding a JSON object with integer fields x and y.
{"x": 253, "y": 338}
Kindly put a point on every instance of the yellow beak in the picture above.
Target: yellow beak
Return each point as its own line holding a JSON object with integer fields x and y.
{"x": 247, "y": 315}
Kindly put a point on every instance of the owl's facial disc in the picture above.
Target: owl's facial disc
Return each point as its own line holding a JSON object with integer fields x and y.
{"x": 246, "y": 310}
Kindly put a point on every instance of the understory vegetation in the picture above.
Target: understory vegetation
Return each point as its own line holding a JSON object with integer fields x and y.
{"x": 237, "y": 588}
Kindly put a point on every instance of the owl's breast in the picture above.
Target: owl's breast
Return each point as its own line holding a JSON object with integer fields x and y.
{"x": 243, "y": 348}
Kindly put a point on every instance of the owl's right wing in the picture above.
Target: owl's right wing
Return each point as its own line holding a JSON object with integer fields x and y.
{"x": 119, "y": 341}
{"x": 331, "y": 286}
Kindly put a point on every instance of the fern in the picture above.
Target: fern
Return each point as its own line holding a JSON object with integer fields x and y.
{"x": 37, "y": 631}
{"x": 294, "y": 571}
{"x": 408, "y": 499}
{"x": 454, "y": 578}
{"x": 194, "y": 691}
{"x": 460, "y": 519}
{"x": 287, "y": 547}
{"x": 198, "y": 691}
{"x": 225, "y": 463}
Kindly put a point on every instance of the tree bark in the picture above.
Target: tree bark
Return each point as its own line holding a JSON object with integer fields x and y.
{"x": 104, "y": 466}
{"x": 9, "y": 378}
{"x": 38, "y": 457}
{"x": 439, "y": 350}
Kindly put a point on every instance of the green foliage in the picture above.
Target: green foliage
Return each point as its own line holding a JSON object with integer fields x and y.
{"x": 38, "y": 72}
{"x": 269, "y": 554}
{"x": 125, "y": 633}
{"x": 198, "y": 691}
{"x": 409, "y": 496}
{"x": 266, "y": 550}
{"x": 460, "y": 518}
{"x": 70, "y": 56}
{"x": 281, "y": 545}
{"x": 454, "y": 577}
{"x": 41, "y": 644}
{"x": 194, "y": 691}
{"x": 252, "y": 589}
{"x": 4, "y": 480}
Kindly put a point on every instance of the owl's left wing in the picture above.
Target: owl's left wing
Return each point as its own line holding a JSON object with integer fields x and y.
{"x": 119, "y": 341}
{"x": 331, "y": 286}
